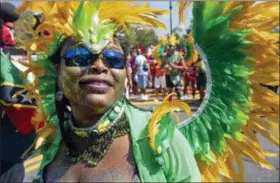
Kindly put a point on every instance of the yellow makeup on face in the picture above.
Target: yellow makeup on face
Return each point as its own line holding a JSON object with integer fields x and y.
{"x": 69, "y": 81}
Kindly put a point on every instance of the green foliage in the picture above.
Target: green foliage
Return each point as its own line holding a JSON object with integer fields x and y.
{"x": 139, "y": 37}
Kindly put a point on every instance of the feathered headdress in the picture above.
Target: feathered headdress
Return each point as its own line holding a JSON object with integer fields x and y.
{"x": 191, "y": 54}
{"x": 91, "y": 23}
{"x": 162, "y": 46}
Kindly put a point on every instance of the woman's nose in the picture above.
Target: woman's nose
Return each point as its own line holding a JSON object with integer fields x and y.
{"x": 98, "y": 67}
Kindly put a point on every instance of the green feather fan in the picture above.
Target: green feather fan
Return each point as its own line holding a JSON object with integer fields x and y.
{"x": 224, "y": 111}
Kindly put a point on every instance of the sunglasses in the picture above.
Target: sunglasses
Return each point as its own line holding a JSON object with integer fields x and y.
{"x": 82, "y": 57}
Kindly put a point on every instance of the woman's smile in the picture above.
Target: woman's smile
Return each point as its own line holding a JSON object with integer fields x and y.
{"x": 96, "y": 85}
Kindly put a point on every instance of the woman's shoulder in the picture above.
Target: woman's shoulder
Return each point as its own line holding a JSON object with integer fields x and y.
{"x": 139, "y": 109}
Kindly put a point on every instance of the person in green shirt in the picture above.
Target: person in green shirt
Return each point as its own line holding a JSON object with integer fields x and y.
{"x": 92, "y": 132}
{"x": 174, "y": 65}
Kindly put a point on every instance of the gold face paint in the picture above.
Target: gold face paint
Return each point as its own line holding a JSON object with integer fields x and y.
{"x": 70, "y": 83}
{"x": 70, "y": 78}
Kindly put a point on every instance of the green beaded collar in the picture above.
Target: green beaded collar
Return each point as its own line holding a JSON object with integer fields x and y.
{"x": 105, "y": 123}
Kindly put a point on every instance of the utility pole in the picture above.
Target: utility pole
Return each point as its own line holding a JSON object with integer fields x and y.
{"x": 170, "y": 8}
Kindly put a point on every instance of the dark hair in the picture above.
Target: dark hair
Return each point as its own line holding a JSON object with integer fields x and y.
{"x": 8, "y": 12}
{"x": 55, "y": 56}
{"x": 61, "y": 109}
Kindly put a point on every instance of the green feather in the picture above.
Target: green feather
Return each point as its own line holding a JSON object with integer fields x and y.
{"x": 165, "y": 133}
{"x": 225, "y": 113}
{"x": 86, "y": 17}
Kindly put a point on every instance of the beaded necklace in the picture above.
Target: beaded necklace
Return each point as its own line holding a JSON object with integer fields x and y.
{"x": 112, "y": 125}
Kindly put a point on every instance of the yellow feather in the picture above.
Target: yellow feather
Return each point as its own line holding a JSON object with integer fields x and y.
{"x": 249, "y": 133}
{"x": 270, "y": 154}
{"x": 246, "y": 149}
{"x": 43, "y": 135}
{"x": 275, "y": 129}
{"x": 123, "y": 12}
{"x": 183, "y": 4}
{"x": 260, "y": 123}
{"x": 254, "y": 16}
{"x": 264, "y": 133}
{"x": 59, "y": 17}
{"x": 166, "y": 107}
{"x": 224, "y": 170}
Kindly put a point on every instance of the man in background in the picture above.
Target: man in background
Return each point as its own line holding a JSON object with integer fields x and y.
{"x": 142, "y": 73}
{"x": 174, "y": 66}
{"x": 134, "y": 71}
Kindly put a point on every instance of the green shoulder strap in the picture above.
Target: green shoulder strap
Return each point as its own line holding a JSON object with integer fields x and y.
{"x": 178, "y": 163}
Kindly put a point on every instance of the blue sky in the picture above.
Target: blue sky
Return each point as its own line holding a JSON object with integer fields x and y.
{"x": 158, "y": 4}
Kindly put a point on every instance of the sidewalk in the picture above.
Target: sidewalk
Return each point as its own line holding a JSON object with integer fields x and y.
{"x": 152, "y": 96}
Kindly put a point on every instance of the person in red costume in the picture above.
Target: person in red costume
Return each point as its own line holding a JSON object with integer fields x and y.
{"x": 193, "y": 73}
{"x": 7, "y": 16}
{"x": 7, "y": 36}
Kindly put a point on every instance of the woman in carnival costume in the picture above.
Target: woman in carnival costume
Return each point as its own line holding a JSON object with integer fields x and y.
{"x": 92, "y": 133}
{"x": 234, "y": 41}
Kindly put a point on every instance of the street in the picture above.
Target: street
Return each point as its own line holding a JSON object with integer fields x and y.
{"x": 253, "y": 173}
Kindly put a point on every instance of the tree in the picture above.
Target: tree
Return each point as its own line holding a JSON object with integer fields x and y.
{"x": 139, "y": 37}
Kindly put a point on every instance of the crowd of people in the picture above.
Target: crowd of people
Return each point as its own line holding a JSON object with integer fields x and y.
{"x": 164, "y": 76}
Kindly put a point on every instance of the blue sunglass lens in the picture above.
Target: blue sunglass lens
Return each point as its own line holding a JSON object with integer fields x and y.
{"x": 81, "y": 57}
{"x": 114, "y": 59}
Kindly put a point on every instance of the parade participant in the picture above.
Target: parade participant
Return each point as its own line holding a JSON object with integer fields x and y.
{"x": 201, "y": 78}
{"x": 174, "y": 66}
{"x": 151, "y": 63}
{"x": 134, "y": 71}
{"x": 189, "y": 57}
{"x": 7, "y": 35}
{"x": 142, "y": 74}
{"x": 160, "y": 82}
{"x": 192, "y": 73}
{"x": 7, "y": 16}
{"x": 186, "y": 84}
{"x": 92, "y": 133}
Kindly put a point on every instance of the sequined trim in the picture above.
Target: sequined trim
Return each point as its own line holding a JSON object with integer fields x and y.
{"x": 92, "y": 155}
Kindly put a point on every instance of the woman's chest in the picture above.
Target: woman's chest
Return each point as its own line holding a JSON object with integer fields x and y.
{"x": 118, "y": 165}
{"x": 118, "y": 170}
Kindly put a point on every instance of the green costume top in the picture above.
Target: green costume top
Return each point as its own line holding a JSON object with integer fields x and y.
{"x": 177, "y": 163}
{"x": 174, "y": 74}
